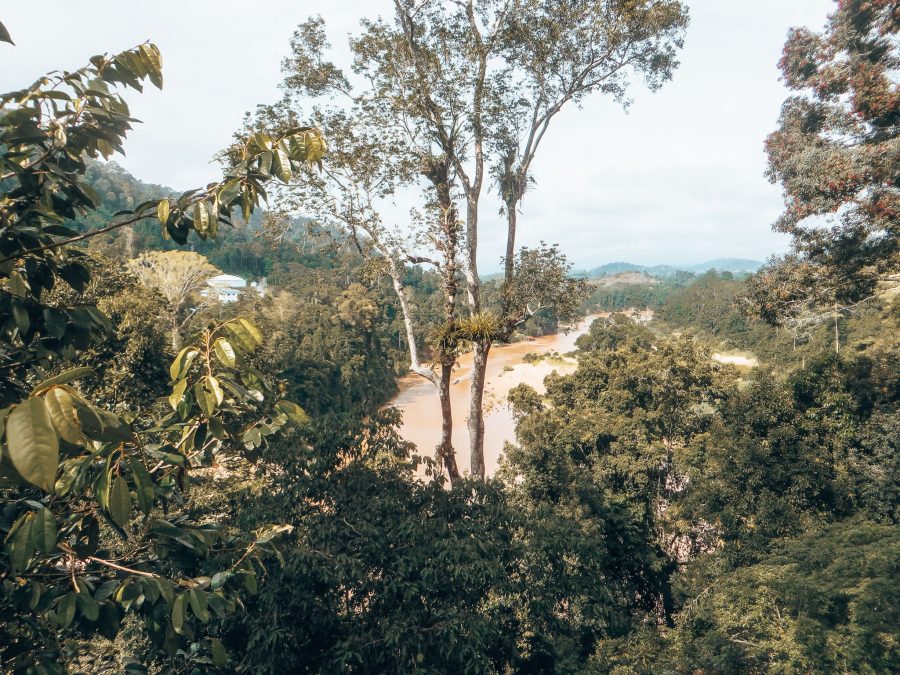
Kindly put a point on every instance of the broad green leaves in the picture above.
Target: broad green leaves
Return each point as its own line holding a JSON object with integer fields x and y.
{"x": 32, "y": 443}
{"x": 245, "y": 333}
{"x": 119, "y": 501}
{"x": 34, "y": 532}
{"x": 177, "y": 394}
{"x": 295, "y": 413}
{"x": 162, "y": 211}
{"x": 61, "y": 407}
{"x": 225, "y": 352}
{"x": 63, "y": 378}
{"x": 182, "y": 362}
{"x": 96, "y": 471}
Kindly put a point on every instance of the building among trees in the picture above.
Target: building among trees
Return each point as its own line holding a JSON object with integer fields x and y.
{"x": 228, "y": 287}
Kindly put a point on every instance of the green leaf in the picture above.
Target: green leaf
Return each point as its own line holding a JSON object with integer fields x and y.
{"x": 206, "y": 401}
{"x": 295, "y": 413}
{"x": 177, "y": 393}
{"x": 269, "y": 532}
{"x": 109, "y": 620}
{"x": 55, "y": 322}
{"x": 251, "y": 328}
{"x": 165, "y": 590}
{"x": 101, "y": 487}
{"x": 216, "y": 390}
{"x": 219, "y": 655}
{"x": 113, "y": 428}
{"x": 4, "y": 35}
{"x": 310, "y": 145}
{"x": 119, "y": 502}
{"x": 76, "y": 275}
{"x": 281, "y": 164}
{"x": 250, "y": 583}
{"x": 20, "y": 543}
{"x": 88, "y": 417}
{"x": 129, "y": 593}
{"x": 162, "y": 211}
{"x": 153, "y": 60}
{"x": 219, "y": 578}
{"x": 36, "y": 592}
{"x": 262, "y": 141}
{"x": 213, "y": 208}
{"x": 225, "y": 352}
{"x": 89, "y": 607}
{"x": 63, "y": 378}
{"x": 246, "y": 204}
{"x": 217, "y": 429}
{"x": 43, "y": 531}
{"x": 143, "y": 485}
{"x": 199, "y": 604}
{"x": 32, "y": 442}
{"x": 178, "y": 608}
{"x": 65, "y": 610}
{"x": 61, "y": 407}
{"x": 265, "y": 162}
{"x": 182, "y": 362}
{"x": 201, "y": 217}
{"x": 243, "y": 339}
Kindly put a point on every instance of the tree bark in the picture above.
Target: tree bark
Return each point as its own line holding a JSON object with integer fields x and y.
{"x": 414, "y": 363}
{"x": 510, "y": 241}
{"x": 445, "y": 449}
{"x": 476, "y": 412}
{"x": 176, "y": 334}
{"x": 837, "y": 336}
{"x": 480, "y": 357}
{"x": 438, "y": 172}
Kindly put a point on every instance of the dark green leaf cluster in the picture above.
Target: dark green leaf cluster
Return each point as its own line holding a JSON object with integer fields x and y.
{"x": 96, "y": 518}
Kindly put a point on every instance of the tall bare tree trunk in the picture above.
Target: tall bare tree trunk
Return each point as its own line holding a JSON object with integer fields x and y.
{"x": 414, "y": 364}
{"x": 445, "y": 449}
{"x": 437, "y": 170}
{"x": 837, "y": 336}
{"x": 476, "y": 411}
{"x": 480, "y": 357}
{"x": 510, "y": 241}
{"x": 176, "y": 334}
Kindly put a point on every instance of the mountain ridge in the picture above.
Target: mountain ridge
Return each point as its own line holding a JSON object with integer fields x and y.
{"x": 733, "y": 265}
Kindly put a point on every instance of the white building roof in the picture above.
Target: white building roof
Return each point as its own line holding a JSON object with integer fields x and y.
{"x": 227, "y": 281}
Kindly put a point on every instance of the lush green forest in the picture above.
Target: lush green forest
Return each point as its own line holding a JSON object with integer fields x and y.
{"x": 195, "y": 486}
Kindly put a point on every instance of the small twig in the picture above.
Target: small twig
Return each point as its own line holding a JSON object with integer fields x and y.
{"x": 122, "y": 568}
{"x": 72, "y": 240}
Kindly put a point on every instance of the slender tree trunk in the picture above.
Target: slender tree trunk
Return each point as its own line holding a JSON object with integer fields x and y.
{"x": 176, "y": 334}
{"x": 510, "y": 241}
{"x": 473, "y": 283}
{"x": 837, "y": 336}
{"x": 414, "y": 364}
{"x": 438, "y": 172}
{"x": 445, "y": 449}
{"x": 480, "y": 356}
{"x": 476, "y": 411}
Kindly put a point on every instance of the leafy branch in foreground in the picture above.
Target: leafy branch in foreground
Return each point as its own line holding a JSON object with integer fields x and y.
{"x": 96, "y": 519}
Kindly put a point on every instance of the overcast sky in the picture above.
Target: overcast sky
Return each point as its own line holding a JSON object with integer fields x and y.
{"x": 678, "y": 179}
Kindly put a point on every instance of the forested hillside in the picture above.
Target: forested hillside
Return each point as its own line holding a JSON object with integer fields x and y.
{"x": 190, "y": 484}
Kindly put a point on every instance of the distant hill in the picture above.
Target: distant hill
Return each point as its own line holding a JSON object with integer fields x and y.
{"x": 733, "y": 265}
{"x": 629, "y": 278}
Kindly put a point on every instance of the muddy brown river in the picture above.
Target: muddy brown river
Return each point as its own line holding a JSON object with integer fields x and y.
{"x": 418, "y": 398}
